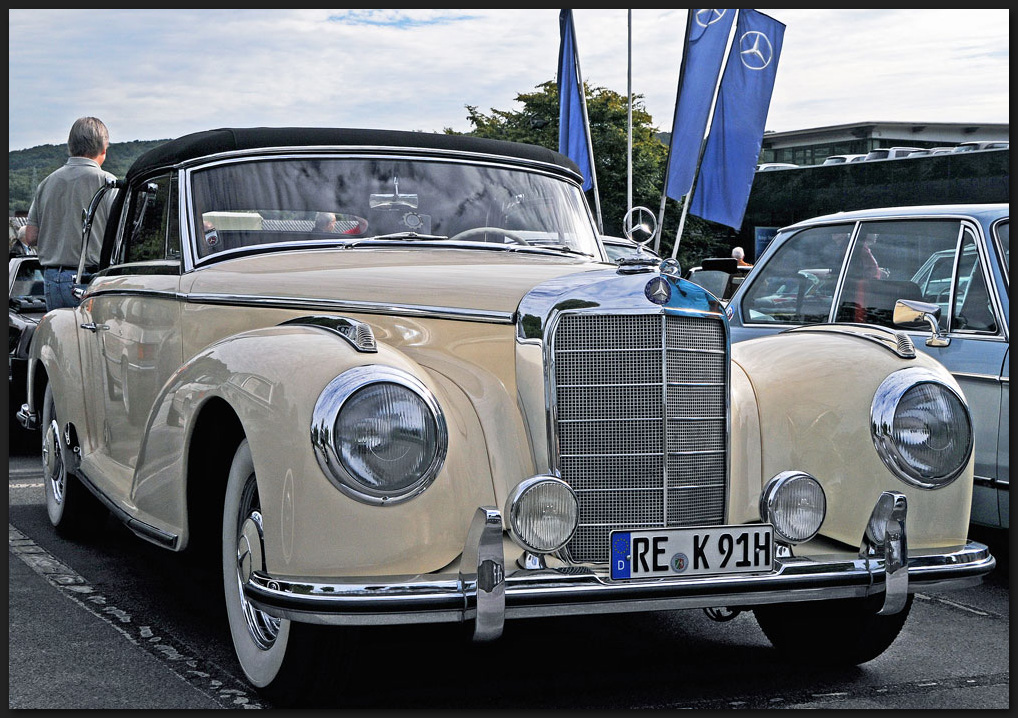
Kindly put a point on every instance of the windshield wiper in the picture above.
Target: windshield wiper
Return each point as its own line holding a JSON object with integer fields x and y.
{"x": 407, "y": 235}
{"x": 561, "y": 248}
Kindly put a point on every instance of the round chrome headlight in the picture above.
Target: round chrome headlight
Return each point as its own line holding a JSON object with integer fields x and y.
{"x": 921, "y": 428}
{"x": 794, "y": 503}
{"x": 542, "y": 513}
{"x": 379, "y": 434}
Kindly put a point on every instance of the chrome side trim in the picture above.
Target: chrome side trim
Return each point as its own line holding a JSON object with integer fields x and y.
{"x": 319, "y": 304}
{"x": 333, "y": 305}
{"x": 110, "y": 291}
{"x": 896, "y": 342}
{"x": 980, "y": 377}
{"x": 999, "y": 484}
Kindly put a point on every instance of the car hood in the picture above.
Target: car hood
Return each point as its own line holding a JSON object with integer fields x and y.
{"x": 487, "y": 280}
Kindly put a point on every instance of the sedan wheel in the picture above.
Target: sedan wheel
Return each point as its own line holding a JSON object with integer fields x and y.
{"x": 72, "y": 509}
{"x": 275, "y": 654}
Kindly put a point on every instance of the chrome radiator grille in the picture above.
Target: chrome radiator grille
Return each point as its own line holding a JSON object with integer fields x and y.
{"x": 640, "y": 413}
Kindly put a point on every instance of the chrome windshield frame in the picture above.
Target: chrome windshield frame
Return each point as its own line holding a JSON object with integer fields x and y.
{"x": 191, "y": 260}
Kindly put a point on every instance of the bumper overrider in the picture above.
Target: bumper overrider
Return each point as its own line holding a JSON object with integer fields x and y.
{"x": 485, "y": 592}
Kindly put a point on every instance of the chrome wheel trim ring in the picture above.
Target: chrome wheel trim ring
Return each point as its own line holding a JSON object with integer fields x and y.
{"x": 53, "y": 462}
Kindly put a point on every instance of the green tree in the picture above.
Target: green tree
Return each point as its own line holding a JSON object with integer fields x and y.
{"x": 537, "y": 123}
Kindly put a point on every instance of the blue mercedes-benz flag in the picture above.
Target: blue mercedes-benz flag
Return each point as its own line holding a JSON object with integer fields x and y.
{"x": 707, "y": 34}
{"x": 573, "y": 141}
{"x": 736, "y": 134}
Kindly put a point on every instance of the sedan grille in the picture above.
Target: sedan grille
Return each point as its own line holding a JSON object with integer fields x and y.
{"x": 641, "y": 417}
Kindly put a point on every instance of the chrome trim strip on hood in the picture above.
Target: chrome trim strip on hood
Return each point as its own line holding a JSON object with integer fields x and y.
{"x": 337, "y": 305}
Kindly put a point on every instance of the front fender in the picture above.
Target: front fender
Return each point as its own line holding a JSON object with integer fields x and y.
{"x": 54, "y": 350}
{"x": 814, "y": 393}
{"x": 271, "y": 378}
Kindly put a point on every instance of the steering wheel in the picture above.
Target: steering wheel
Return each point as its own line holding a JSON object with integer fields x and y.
{"x": 489, "y": 230}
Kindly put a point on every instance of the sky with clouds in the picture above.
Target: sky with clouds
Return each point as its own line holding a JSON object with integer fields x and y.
{"x": 157, "y": 74}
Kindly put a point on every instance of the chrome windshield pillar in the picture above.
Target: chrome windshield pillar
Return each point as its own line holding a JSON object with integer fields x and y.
{"x": 482, "y": 574}
{"x": 885, "y": 538}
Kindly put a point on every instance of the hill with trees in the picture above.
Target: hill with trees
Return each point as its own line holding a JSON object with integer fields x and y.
{"x": 27, "y": 168}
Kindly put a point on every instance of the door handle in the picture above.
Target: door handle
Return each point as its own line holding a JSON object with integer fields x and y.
{"x": 93, "y": 327}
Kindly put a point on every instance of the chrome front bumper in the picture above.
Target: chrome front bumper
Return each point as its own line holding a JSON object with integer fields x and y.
{"x": 488, "y": 594}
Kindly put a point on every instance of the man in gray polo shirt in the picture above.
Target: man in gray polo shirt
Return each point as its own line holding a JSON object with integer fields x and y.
{"x": 54, "y": 219}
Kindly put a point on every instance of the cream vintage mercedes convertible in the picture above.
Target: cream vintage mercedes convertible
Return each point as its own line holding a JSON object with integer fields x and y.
{"x": 394, "y": 378}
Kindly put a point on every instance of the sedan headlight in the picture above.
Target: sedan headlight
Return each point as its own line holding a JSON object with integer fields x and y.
{"x": 921, "y": 428}
{"x": 379, "y": 434}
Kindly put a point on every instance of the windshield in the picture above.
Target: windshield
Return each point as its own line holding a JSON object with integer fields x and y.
{"x": 325, "y": 199}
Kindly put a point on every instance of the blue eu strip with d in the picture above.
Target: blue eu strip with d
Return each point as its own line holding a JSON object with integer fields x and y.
{"x": 620, "y": 555}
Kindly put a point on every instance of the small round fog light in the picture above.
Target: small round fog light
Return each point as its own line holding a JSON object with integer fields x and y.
{"x": 542, "y": 513}
{"x": 795, "y": 505}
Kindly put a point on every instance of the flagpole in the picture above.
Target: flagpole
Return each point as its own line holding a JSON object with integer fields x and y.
{"x": 586, "y": 128}
{"x": 664, "y": 186}
{"x": 629, "y": 113}
{"x": 703, "y": 143}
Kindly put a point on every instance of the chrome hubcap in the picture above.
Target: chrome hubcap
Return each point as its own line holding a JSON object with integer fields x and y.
{"x": 53, "y": 462}
{"x": 263, "y": 628}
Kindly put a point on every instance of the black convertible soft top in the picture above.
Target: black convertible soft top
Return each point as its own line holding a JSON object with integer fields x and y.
{"x": 229, "y": 139}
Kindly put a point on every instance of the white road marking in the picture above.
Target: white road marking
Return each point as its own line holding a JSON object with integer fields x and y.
{"x": 199, "y": 673}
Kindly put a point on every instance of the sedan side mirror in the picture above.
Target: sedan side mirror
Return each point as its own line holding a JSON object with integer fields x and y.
{"x": 907, "y": 311}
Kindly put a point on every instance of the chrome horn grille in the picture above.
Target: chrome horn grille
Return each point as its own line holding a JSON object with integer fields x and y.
{"x": 640, "y": 413}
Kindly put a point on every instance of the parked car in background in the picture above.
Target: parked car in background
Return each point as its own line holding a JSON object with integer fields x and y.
{"x": 976, "y": 145}
{"x": 398, "y": 382}
{"x": 889, "y": 153}
{"x": 852, "y": 268}
{"x": 623, "y": 248}
{"x": 843, "y": 159}
{"x": 768, "y": 166}
{"x": 926, "y": 152}
{"x": 720, "y": 276}
{"x": 26, "y": 303}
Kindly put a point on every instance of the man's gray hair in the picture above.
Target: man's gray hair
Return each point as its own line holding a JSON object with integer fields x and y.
{"x": 738, "y": 253}
{"x": 88, "y": 138}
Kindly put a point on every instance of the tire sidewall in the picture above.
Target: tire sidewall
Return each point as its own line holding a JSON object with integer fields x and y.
{"x": 259, "y": 665}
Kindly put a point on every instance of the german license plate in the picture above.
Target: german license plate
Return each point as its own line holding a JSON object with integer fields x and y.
{"x": 699, "y": 551}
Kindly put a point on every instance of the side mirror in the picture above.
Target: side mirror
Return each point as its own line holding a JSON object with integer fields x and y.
{"x": 907, "y": 311}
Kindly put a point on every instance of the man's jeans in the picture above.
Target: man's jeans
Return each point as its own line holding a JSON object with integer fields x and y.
{"x": 57, "y": 286}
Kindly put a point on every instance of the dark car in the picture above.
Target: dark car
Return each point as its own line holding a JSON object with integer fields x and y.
{"x": 720, "y": 276}
{"x": 26, "y": 305}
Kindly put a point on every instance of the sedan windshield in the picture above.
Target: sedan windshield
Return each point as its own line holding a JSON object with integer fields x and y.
{"x": 314, "y": 200}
